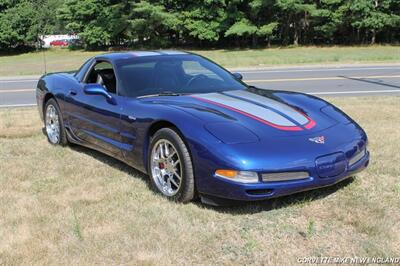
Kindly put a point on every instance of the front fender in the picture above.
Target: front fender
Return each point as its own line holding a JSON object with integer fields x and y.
{"x": 147, "y": 115}
{"x": 53, "y": 85}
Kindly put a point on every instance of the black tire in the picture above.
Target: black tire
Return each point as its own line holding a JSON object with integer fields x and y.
{"x": 186, "y": 191}
{"x": 62, "y": 140}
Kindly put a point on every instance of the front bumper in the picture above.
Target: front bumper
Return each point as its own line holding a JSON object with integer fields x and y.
{"x": 39, "y": 100}
{"x": 223, "y": 188}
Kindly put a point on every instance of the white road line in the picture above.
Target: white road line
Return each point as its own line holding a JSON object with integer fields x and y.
{"x": 317, "y": 70}
{"x": 352, "y": 92}
{"x": 271, "y": 80}
{"x": 312, "y": 93}
{"x": 17, "y": 105}
{"x": 18, "y": 80}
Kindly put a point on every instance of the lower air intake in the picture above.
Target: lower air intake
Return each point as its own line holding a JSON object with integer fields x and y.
{"x": 259, "y": 191}
{"x": 284, "y": 176}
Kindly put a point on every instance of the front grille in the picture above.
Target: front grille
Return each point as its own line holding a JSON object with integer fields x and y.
{"x": 284, "y": 176}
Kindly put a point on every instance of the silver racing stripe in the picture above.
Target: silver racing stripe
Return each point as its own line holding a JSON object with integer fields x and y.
{"x": 285, "y": 109}
{"x": 263, "y": 113}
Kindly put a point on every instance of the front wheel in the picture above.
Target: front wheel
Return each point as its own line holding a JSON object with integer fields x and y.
{"x": 54, "y": 125}
{"x": 170, "y": 166}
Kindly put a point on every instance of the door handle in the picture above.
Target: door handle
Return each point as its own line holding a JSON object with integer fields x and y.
{"x": 72, "y": 92}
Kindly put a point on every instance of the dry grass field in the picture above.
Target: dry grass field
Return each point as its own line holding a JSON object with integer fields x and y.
{"x": 75, "y": 206}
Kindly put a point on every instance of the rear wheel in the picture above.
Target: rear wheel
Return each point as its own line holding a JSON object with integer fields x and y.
{"x": 54, "y": 125}
{"x": 170, "y": 166}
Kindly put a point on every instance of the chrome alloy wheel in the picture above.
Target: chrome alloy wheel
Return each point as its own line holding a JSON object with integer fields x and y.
{"x": 52, "y": 124}
{"x": 166, "y": 167}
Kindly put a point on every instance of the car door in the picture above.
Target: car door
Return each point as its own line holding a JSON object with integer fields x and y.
{"x": 93, "y": 118}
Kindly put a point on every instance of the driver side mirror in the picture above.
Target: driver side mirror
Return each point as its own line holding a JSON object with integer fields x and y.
{"x": 237, "y": 76}
{"x": 97, "y": 89}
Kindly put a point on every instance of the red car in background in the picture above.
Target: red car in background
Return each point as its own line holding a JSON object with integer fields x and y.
{"x": 60, "y": 43}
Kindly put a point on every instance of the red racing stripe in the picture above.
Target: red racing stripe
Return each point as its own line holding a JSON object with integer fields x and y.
{"x": 310, "y": 124}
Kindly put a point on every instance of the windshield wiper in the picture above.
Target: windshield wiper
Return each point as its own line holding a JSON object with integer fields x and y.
{"x": 163, "y": 93}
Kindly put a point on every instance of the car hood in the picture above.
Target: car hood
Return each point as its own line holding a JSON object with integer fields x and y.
{"x": 254, "y": 114}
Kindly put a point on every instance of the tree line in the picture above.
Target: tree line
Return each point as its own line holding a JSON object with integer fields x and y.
{"x": 200, "y": 23}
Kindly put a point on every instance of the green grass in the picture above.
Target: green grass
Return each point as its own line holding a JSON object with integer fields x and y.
{"x": 64, "y": 60}
{"x": 75, "y": 206}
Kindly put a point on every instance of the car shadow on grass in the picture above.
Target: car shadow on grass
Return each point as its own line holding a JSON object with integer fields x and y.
{"x": 115, "y": 163}
{"x": 232, "y": 207}
{"x": 299, "y": 199}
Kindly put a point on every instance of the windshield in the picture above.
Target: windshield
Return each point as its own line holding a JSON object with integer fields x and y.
{"x": 179, "y": 74}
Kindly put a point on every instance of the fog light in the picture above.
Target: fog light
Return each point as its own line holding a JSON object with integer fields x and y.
{"x": 358, "y": 157}
{"x": 238, "y": 176}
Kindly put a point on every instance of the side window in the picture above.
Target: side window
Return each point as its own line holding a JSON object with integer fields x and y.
{"x": 103, "y": 73}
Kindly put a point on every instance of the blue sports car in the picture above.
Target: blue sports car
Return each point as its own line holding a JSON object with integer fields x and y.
{"x": 198, "y": 130}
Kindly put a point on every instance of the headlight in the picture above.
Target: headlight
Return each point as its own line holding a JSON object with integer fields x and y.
{"x": 238, "y": 176}
{"x": 237, "y": 133}
{"x": 336, "y": 114}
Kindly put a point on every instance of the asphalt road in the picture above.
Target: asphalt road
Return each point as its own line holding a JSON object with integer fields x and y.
{"x": 322, "y": 81}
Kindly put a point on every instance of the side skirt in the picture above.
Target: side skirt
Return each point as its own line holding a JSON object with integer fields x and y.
{"x": 75, "y": 140}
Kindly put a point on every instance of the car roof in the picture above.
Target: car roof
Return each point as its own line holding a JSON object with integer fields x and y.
{"x": 136, "y": 54}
